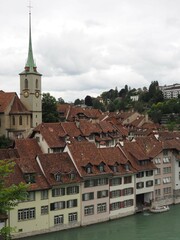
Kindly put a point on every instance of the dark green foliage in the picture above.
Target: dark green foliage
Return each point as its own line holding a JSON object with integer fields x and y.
{"x": 49, "y": 108}
{"x": 78, "y": 101}
{"x": 5, "y": 142}
{"x": 88, "y": 101}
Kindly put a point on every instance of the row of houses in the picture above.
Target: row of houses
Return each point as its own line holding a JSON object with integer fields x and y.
{"x": 85, "y": 184}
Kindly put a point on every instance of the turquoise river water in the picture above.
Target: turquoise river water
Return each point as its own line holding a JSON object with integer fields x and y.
{"x": 142, "y": 226}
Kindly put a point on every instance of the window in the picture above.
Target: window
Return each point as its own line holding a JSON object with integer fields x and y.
{"x": 26, "y": 214}
{"x": 44, "y": 210}
{"x": 115, "y": 206}
{"x": 101, "y": 167}
{"x": 101, "y": 207}
{"x": 115, "y": 193}
{"x": 179, "y": 164}
{"x": 36, "y": 83}
{"x": 30, "y": 196}
{"x": 29, "y": 177}
{"x": 114, "y": 168}
{"x": 166, "y": 170}
{"x": 72, "y": 175}
{"x": 157, "y": 181}
{"x": 140, "y": 175}
{"x": 26, "y": 84}
{"x": 72, "y": 190}
{"x": 166, "y": 180}
{"x": 59, "y": 219}
{"x": 139, "y": 185}
{"x": 89, "y": 210}
{"x": 157, "y": 171}
{"x": 57, "y": 205}
{"x": 166, "y": 159}
{"x": 116, "y": 181}
{"x": 0, "y": 122}
{"x": 127, "y": 179}
{"x": 89, "y": 183}
{"x": 158, "y": 192}
{"x": 88, "y": 196}
{"x": 167, "y": 190}
{"x": 149, "y": 183}
{"x": 102, "y": 194}
{"x": 13, "y": 120}
{"x": 20, "y": 120}
{"x": 149, "y": 173}
{"x": 44, "y": 194}
{"x": 102, "y": 181}
{"x": 58, "y": 192}
{"x": 72, "y": 217}
{"x": 165, "y": 152}
{"x": 57, "y": 177}
{"x": 72, "y": 203}
{"x": 127, "y": 191}
{"x": 179, "y": 175}
{"x": 157, "y": 161}
{"x": 128, "y": 203}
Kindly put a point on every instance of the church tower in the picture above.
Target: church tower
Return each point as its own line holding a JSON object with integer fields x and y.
{"x": 30, "y": 85}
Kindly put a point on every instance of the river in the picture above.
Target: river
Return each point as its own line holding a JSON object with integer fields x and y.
{"x": 142, "y": 226}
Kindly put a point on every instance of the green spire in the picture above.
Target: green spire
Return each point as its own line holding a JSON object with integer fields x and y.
{"x": 30, "y": 64}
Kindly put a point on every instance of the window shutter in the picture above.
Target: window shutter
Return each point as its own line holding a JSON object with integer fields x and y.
{"x": 52, "y": 206}
{"x": 53, "y": 192}
{"x": 68, "y": 190}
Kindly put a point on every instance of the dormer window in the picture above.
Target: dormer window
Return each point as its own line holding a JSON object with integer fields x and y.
{"x": 127, "y": 167}
{"x": 72, "y": 176}
{"x": 101, "y": 167}
{"x": 88, "y": 168}
{"x": 29, "y": 177}
{"x": 57, "y": 177}
{"x": 114, "y": 168}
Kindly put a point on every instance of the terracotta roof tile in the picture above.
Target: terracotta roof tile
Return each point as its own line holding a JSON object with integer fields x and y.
{"x": 18, "y": 107}
{"x": 58, "y": 163}
{"x": 71, "y": 129}
{"x": 8, "y": 154}
{"x": 6, "y": 99}
{"x": 27, "y": 147}
{"x": 85, "y": 153}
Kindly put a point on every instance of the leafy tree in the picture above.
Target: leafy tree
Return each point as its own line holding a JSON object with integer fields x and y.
{"x": 98, "y": 105}
{"x": 88, "y": 100}
{"x": 61, "y": 100}
{"x": 78, "y": 101}
{"x": 9, "y": 195}
{"x": 49, "y": 108}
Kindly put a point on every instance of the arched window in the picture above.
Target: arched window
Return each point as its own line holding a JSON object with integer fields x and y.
{"x": 13, "y": 120}
{"x": 20, "y": 120}
{"x": 26, "y": 83}
{"x": 36, "y": 83}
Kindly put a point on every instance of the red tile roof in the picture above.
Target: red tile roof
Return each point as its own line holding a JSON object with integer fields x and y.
{"x": 58, "y": 163}
{"x": 84, "y": 153}
{"x": 18, "y": 107}
{"x": 5, "y": 100}
{"x": 27, "y": 147}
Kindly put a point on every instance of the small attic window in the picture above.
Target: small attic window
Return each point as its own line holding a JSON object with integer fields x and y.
{"x": 114, "y": 168}
{"x": 127, "y": 167}
{"x": 29, "y": 177}
{"x": 57, "y": 177}
{"x": 101, "y": 167}
{"x": 72, "y": 175}
{"x": 88, "y": 168}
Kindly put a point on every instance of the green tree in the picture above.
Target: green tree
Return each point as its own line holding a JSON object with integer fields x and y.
{"x": 78, "y": 101}
{"x": 98, "y": 105}
{"x": 9, "y": 195}
{"x": 49, "y": 108}
{"x": 88, "y": 100}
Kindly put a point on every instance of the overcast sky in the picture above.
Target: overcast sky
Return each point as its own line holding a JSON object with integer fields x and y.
{"x": 85, "y": 47}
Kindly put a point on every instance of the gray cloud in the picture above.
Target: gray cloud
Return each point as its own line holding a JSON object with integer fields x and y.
{"x": 86, "y": 47}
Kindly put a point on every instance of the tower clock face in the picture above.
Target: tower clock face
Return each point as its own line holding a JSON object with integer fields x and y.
{"x": 37, "y": 94}
{"x": 26, "y": 94}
